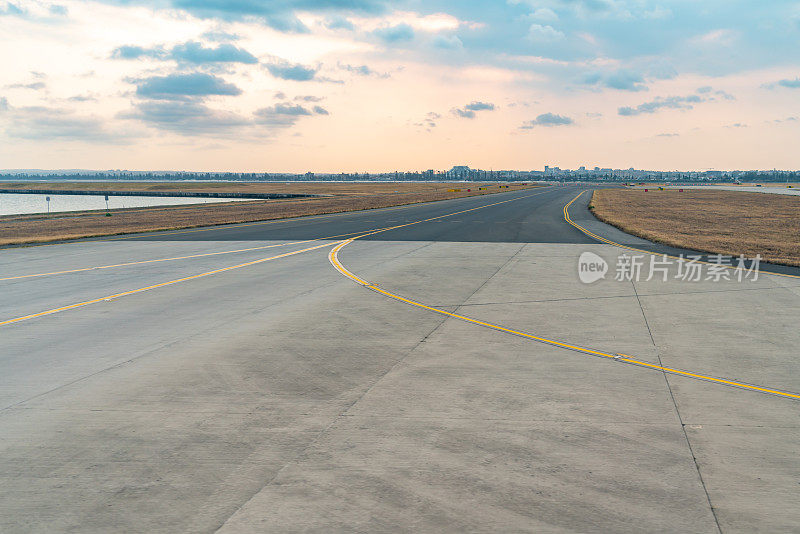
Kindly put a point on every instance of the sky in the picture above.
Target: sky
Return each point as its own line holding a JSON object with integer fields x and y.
{"x": 371, "y": 85}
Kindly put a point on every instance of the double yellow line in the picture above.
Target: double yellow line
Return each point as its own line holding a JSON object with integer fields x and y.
{"x": 333, "y": 257}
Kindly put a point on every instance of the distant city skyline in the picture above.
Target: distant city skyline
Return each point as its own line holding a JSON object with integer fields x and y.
{"x": 321, "y": 85}
{"x": 455, "y": 173}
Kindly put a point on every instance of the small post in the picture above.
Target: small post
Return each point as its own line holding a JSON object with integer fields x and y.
{"x": 48, "y": 204}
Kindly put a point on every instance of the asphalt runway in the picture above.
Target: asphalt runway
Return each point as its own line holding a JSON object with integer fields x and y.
{"x": 246, "y": 379}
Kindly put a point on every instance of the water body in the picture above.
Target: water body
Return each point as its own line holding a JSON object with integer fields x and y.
{"x": 16, "y": 204}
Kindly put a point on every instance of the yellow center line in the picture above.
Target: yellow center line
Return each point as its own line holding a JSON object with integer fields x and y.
{"x": 333, "y": 257}
{"x": 614, "y": 243}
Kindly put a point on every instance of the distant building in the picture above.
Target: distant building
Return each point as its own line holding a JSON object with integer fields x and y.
{"x": 459, "y": 172}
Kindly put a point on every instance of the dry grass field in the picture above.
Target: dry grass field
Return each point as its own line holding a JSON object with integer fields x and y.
{"x": 724, "y": 222}
{"x": 22, "y": 229}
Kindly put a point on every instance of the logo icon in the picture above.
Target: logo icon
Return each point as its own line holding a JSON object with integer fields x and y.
{"x": 591, "y": 267}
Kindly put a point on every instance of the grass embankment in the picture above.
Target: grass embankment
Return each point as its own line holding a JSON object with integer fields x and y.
{"x": 38, "y": 228}
{"x": 720, "y": 222}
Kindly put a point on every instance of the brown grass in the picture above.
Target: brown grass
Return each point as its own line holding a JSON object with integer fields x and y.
{"x": 720, "y": 222}
{"x": 21, "y": 229}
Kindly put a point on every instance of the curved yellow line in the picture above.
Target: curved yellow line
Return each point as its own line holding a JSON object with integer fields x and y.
{"x": 333, "y": 257}
{"x": 614, "y": 243}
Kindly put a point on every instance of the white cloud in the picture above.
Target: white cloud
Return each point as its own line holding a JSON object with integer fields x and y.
{"x": 540, "y": 33}
{"x": 544, "y": 14}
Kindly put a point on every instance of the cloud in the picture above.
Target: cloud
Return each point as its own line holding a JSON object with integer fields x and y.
{"x": 281, "y": 115}
{"x": 622, "y": 79}
{"x": 186, "y": 117}
{"x": 791, "y": 84}
{"x": 668, "y": 135}
{"x": 338, "y": 23}
{"x": 194, "y": 52}
{"x": 38, "y": 123}
{"x": 395, "y": 34}
{"x": 285, "y": 22}
{"x": 661, "y": 70}
{"x": 136, "y": 52}
{"x": 448, "y": 42}
{"x": 479, "y": 106}
{"x": 188, "y": 52}
{"x": 703, "y": 94}
{"x": 544, "y": 14}
{"x": 723, "y": 95}
{"x": 177, "y": 86}
{"x": 12, "y": 9}
{"x": 658, "y": 13}
{"x": 308, "y": 98}
{"x": 34, "y": 86}
{"x": 291, "y": 71}
{"x": 278, "y": 14}
{"x": 544, "y": 33}
{"x": 723, "y": 37}
{"x": 319, "y": 110}
{"x": 362, "y": 70}
{"x": 659, "y": 103}
{"x": 547, "y": 120}
{"x": 429, "y": 122}
{"x": 468, "y": 111}
{"x": 219, "y": 36}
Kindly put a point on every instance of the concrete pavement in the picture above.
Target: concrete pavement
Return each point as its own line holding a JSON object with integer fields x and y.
{"x": 284, "y": 397}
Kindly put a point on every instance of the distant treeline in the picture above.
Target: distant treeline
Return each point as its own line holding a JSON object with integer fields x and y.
{"x": 270, "y": 177}
{"x": 627, "y": 175}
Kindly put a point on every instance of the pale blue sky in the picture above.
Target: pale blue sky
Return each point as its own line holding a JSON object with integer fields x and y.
{"x": 373, "y": 85}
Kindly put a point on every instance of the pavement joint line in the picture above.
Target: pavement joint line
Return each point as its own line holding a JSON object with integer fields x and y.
{"x": 614, "y": 243}
{"x": 344, "y": 412}
{"x": 230, "y": 268}
{"x": 677, "y": 409}
{"x": 333, "y": 257}
{"x": 600, "y": 297}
